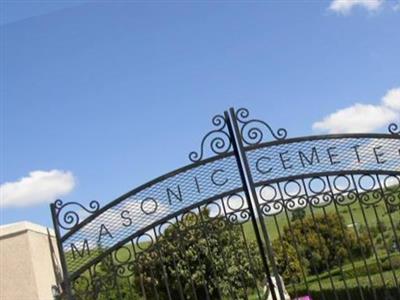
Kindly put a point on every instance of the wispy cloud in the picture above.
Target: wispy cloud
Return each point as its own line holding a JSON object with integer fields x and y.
{"x": 346, "y": 6}
{"x": 37, "y": 187}
{"x": 363, "y": 117}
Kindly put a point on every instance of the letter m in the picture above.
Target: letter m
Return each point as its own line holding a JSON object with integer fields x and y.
{"x": 85, "y": 247}
{"x": 310, "y": 161}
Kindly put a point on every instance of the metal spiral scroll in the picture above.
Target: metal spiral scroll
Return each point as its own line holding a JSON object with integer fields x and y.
{"x": 68, "y": 218}
{"x": 218, "y": 140}
{"x": 394, "y": 128}
{"x": 254, "y": 130}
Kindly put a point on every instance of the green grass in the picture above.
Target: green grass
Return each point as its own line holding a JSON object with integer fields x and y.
{"x": 360, "y": 214}
{"x": 366, "y": 217}
{"x": 363, "y": 216}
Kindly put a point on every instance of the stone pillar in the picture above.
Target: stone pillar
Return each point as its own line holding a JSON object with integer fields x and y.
{"x": 28, "y": 268}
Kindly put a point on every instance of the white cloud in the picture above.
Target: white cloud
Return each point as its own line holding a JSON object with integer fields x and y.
{"x": 37, "y": 187}
{"x": 363, "y": 117}
{"x": 345, "y": 6}
{"x": 392, "y": 99}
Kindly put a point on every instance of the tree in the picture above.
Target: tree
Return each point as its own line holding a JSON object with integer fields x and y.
{"x": 289, "y": 266}
{"x": 196, "y": 256}
{"x": 200, "y": 255}
{"x": 298, "y": 214}
{"x": 323, "y": 241}
{"x": 107, "y": 280}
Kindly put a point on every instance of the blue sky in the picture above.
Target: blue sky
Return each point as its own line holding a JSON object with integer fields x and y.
{"x": 109, "y": 96}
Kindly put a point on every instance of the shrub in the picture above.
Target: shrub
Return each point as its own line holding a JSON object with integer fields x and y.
{"x": 374, "y": 231}
{"x": 398, "y": 225}
{"x": 213, "y": 255}
{"x": 381, "y": 226}
{"x": 298, "y": 214}
{"x": 392, "y": 263}
{"x": 323, "y": 242}
{"x": 289, "y": 266}
{"x": 362, "y": 270}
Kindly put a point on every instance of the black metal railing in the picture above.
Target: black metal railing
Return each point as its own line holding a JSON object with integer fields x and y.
{"x": 255, "y": 214}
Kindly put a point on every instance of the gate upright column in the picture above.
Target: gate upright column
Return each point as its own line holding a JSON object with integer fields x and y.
{"x": 250, "y": 191}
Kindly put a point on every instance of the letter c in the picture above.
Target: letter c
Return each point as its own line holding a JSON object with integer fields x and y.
{"x": 258, "y": 167}
{"x": 219, "y": 182}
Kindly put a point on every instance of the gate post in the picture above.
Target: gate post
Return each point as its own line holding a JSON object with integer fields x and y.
{"x": 250, "y": 192}
{"x": 65, "y": 285}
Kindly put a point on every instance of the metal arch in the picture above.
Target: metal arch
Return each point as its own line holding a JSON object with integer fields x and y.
{"x": 222, "y": 143}
{"x": 326, "y": 154}
{"x": 116, "y": 201}
{"x": 97, "y": 210}
{"x": 145, "y": 229}
{"x": 280, "y": 180}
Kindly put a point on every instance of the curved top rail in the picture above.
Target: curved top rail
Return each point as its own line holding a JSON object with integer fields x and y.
{"x": 143, "y": 206}
{"x": 216, "y": 176}
{"x": 387, "y": 182}
{"x": 73, "y": 220}
{"x": 323, "y": 154}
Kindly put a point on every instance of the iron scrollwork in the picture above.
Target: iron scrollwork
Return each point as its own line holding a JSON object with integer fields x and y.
{"x": 158, "y": 235}
{"x": 219, "y": 140}
{"x": 321, "y": 191}
{"x": 254, "y": 131}
{"x": 394, "y": 128}
{"x": 68, "y": 218}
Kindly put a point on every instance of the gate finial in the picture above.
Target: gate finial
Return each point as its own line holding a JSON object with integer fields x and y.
{"x": 253, "y": 131}
{"x": 68, "y": 218}
{"x": 219, "y": 140}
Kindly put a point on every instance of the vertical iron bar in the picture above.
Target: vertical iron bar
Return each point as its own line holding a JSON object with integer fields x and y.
{"x": 140, "y": 268}
{"x": 232, "y": 294}
{"x": 237, "y": 260}
{"x": 251, "y": 263}
{"x": 161, "y": 260}
{"x": 66, "y": 285}
{"x": 312, "y": 262}
{"x": 296, "y": 242}
{"x": 180, "y": 289}
{"x": 319, "y": 236}
{"x": 356, "y": 189}
{"x": 203, "y": 231}
{"x": 387, "y": 206}
{"x": 249, "y": 189}
{"x": 181, "y": 240}
{"x": 285, "y": 253}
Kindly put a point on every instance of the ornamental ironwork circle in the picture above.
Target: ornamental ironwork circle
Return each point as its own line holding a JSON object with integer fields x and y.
{"x": 252, "y": 185}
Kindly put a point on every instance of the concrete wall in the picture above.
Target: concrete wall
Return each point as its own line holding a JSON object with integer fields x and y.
{"x": 26, "y": 266}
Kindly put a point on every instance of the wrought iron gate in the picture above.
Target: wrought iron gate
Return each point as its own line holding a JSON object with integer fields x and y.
{"x": 255, "y": 213}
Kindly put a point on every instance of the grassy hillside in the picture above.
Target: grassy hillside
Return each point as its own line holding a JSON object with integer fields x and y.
{"x": 356, "y": 213}
{"x": 380, "y": 270}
